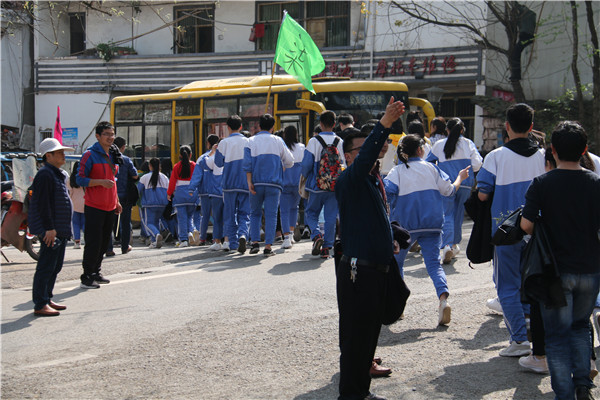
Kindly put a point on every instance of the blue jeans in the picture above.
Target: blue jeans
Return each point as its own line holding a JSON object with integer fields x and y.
{"x": 568, "y": 350}
{"x": 288, "y": 209}
{"x": 78, "y": 224}
{"x": 269, "y": 197}
{"x": 48, "y": 266}
{"x": 236, "y": 216}
{"x": 327, "y": 202}
{"x": 430, "y": 247}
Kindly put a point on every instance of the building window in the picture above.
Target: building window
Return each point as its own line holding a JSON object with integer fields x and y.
{"x": 77, "y": 32}
{"x": 327, "y": 22}
{"x": 194, "y": 33}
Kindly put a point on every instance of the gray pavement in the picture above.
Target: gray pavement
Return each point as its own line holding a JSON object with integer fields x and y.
{"x": 193, "y": 324}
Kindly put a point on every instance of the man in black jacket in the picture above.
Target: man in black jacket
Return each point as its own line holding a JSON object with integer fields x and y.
{"x": 50, "y": 212}
{"x": 368, "y": 250}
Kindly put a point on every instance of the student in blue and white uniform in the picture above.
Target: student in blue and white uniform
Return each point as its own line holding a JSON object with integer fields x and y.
{"x": 183, "y": 203}
{"x": 153, "y": 192}
{"x": 453, "y": 154}
{"x": 236, "y": 209}
{"x": 199, "y": 183}
{"x": 414, "y": 189}
{"x": 264, "y": 160}
{"x": 290, "y": 197}
{"x": 213, "y": 179}
{"x": 320, "y": 199}
{"x": 507, "y": 172}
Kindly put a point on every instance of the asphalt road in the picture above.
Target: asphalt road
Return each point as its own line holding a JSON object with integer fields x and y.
{"x": 192, "y": 324}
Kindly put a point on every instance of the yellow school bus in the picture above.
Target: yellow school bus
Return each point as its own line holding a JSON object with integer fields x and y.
{"x": 156, "y": 125}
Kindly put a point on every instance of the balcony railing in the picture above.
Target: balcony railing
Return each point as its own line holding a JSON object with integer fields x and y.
{"x": 144, "y": 74}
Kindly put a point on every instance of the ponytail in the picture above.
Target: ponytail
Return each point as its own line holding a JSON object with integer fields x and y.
{"x": 408, "y": 147}
{"x": 455, "y": 127}
{"x": 73, "y": 177}
{"x": 185, "y": 153}
{"x": 155, "y": 163}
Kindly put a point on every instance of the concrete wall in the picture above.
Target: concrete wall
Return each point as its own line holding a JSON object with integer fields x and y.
{"x": 77, "y": 110}
{"x": 546, "y": 65}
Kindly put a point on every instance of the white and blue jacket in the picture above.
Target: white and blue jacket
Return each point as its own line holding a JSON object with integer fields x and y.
{"x": 508, "y": 174}
{"x": 153, "y": 197}
{"x": 213, "y": 177}
{"x": 312, "y": 157}
{"x": 291, "y": 176}
{"x": 198, "y": 182}
{"x": 415, "y": 195}
{"x": 464, "y": 155}
{"x": 265, "y": 157}
{"x": 230, "y": 156}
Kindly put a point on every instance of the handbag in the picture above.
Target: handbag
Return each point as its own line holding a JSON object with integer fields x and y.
{"x": 396, "y": 295}
{"x": 480, "y": 248}
{"x": 509, "y": 231}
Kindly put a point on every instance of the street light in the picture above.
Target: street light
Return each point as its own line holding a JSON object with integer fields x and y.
{"x": 434, "y": 95}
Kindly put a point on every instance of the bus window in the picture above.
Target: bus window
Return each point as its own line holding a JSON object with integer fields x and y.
{"x": 220, "y": 108}
{"x": 216, "y": 128}
{"x": 157, "y": 141}
{"x": 255, "y": 106}
{"x": 185, "y": 108}
{"x": 157, "y": 113}
{"x": 186, "y": 135}
{"x": 133, "y": 138}
{"x": 294, "y": 120}
{"x": 128, "y": 113}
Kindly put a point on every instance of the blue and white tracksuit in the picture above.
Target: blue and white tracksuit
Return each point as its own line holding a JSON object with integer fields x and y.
{"x": 214, "y": 177}
{"x": 153, "y": 201}
{"x": 320, "y": 199}
{"x": 265, "y": 158}
{"x": 236, "y": 208}
{"x": 415, "y": 197}
{"x": 508, "y": 175}
{"x": 183, "y": 203}
{"x": 290, "y": 197}
{"x": 464, "y": 155}
{"x": 199, "y": 184}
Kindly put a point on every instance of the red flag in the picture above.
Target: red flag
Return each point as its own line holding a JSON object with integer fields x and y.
{"x": 57, "y": 127}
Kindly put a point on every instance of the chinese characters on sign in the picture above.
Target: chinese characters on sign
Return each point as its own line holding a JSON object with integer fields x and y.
{"x": 397, "y": 67}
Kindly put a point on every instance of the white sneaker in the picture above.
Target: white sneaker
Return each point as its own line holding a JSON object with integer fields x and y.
{"x": 596, "y": 321}
{"x": 152, "y": 245}
{"x": 455, "y": 249}
{"x": 494, "y": 305}
{"x": 287, "y": 243}
{"x": 225, "y": 246}
{"x": 447, "y": 254}
{"x": 183, "y": 244}
{"x": 196, "y": 237}
{"x": 444, "y": 313}
{"x": 77, "y": 245}
{"x": 159, "y": 241}
{"x": 190, "y": 239}
{"x": 215, "y": 247}
{"x": 534, "y": 363}
{"x": 516, "y": 349}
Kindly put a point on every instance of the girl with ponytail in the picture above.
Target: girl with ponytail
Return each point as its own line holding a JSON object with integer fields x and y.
{"x": 438, "y": 129}
{"x": 415, "y": 189}
{"x": 451, "y": 155}
{"x": 183, "y": 203}
{"x": 153, "y": 193}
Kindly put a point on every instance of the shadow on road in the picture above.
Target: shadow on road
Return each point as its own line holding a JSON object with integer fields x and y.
{"x": 328, "y": 391}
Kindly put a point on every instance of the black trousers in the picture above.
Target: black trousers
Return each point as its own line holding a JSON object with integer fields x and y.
{"x": 360, "y": 304}
{"x": 97, "y": 233}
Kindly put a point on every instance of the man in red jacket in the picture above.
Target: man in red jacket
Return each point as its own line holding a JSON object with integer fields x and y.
{"x": 97, "y": 173}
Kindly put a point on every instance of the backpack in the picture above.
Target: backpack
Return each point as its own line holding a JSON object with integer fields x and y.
{"x": 330, "y": 165}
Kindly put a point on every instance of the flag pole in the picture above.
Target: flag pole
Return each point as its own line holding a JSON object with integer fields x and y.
{"x": 270, "y": 85}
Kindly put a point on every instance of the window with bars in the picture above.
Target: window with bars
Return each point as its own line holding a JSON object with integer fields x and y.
{"x": 327, "y": 22}
{"x": 194, "y": 33}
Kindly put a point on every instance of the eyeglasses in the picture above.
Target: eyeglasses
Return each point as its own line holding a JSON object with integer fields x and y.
{"x": 108, "y": 134}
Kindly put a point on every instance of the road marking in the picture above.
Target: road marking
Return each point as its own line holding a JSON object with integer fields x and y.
{"x": 59, "y": 361}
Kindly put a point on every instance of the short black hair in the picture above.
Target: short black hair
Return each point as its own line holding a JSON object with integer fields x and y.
{"x": 345, "y": 119}
{"x": 234, "y": 122}
{"x": 266, "y": 122}
{"x": 355, "y": 133}
{"x": 327, "y": 118}
{"x": 368, "y": 127}
{"x": 212, "y": 139}
{"x": 102, "y": 126}
{"x": 569, "y": 140}
{"x": 417, "y": 128}
{"x": 519, "y": 117}
{"x": 120, "y": 142}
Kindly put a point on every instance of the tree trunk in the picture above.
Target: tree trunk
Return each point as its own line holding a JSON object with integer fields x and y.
{"x": 596, "y": 77}
{"x": 518, "y": 91}
{"x": 574, "y": 67}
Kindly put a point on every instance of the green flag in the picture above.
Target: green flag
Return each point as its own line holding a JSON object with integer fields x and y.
{"x": 297, "y": 53}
